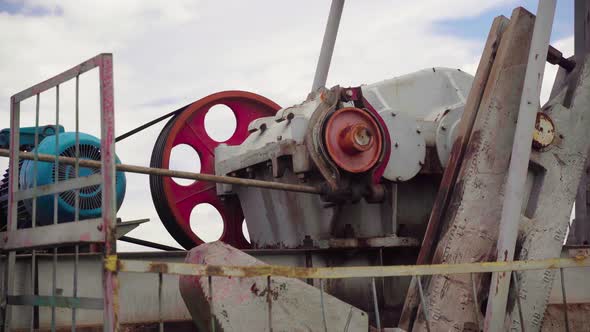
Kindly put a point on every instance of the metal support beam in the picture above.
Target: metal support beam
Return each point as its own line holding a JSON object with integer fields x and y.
{"x": 581, "y": 29}
{"x": 109, "y": 200}
{"x": 580, "y": 228}
{"x": 451, "y": 172}
{"x": 321, "y": 71}
{"x": 89, "y": 231}
{"x": 517, "y": 172}
{"x": 241, "y": 271}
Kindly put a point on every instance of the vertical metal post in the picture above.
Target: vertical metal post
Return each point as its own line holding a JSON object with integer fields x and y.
{"x": 34, "y": 210}
{"x": 564, "y": 300}
{"x": 382, "y": 279}
{"x": 321, "y": 71}
{"x": 211, "y": 310}
{"x": 580, "y": 228}
{"x": 519, "y": 161}
{"x": 581, "y": 29}
{"x": 424, "y": 303}
{"x": 269, "y": 301}
{"x": 376, "y": 305}
{"x": 76, "y": 195}
{"x": 160, "y": 316}
{"x": 12, "y": 205}
{"x": 308, "y": 264}
{"x": 322, "y": 305}
{"x": 475, "y": 301}
{"x": 107, "y": 148}
{"x": 55, "y": 210}
{"x": 517, "y": 296}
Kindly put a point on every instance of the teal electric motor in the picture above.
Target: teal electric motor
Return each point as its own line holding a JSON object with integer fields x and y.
{"x": 90, "y": 197}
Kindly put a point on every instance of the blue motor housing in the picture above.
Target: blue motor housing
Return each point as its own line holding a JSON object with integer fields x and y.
{"x": 90, "y": 197}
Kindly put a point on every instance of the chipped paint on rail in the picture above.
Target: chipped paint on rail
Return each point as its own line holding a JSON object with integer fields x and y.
{"x": 137, "y": 266}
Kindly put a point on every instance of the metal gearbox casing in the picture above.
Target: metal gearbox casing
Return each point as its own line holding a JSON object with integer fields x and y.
{"x": 413, "y": 108}
{"x": 420, "y": 109}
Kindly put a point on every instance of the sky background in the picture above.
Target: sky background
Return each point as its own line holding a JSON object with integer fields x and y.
{"x": 170, "y": 53}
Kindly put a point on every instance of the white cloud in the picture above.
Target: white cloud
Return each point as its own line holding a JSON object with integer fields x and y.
{"x": 170, "y": 53}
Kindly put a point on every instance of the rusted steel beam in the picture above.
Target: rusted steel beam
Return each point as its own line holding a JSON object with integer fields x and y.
{"x": 556, "y": 175}
{"x": 452, "y": 170}
{"x": 555, "y": 57}
{"x": 579, "y": 320}
{"x": 172, "y": 173}
{"x": 515, "y": 187}
{"x": 140, "y": 266}
{"x": 580, "y": 228}
{"x": 471, "y": 220}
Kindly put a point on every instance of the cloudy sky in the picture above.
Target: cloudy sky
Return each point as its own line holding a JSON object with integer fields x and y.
{"x": 170, "y": 53}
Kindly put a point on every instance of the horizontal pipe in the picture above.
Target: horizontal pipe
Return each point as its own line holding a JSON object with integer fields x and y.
{"x": 149, "y": 244}
{"x": 555, "y": 57}
{"x": 137, "y": 266}
{"x": 172, "y": 173}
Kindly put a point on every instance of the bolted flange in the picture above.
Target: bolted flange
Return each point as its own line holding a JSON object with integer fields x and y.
{"x": 353, "y": 139}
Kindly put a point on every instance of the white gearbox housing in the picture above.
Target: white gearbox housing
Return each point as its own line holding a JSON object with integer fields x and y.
{"x": 420, "y": 110}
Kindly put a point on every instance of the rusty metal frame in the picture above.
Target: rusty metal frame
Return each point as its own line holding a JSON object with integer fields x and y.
{"x": 97, "y": 231}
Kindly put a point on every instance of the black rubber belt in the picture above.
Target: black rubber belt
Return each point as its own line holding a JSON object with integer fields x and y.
{"x": 149, "y": 124}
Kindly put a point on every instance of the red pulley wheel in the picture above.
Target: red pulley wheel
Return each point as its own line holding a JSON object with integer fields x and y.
{"x": 174, "y": 202}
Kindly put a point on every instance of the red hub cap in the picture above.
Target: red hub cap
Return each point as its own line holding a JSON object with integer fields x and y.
{"x": 353, "y": 139}
{"x": 174, "y": 202}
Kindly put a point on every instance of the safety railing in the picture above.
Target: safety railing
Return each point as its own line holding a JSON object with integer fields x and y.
{"x": 49, "y": 237}
{"x": 371, "y": 272}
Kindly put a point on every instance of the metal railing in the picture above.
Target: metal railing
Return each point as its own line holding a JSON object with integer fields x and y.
{"x": 371, "y": 272}
{"x": 97, "y": 231}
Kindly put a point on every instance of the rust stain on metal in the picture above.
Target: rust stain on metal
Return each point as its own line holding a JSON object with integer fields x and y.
{"x": 578, "y": 317}
{"x": 544, "y": 133}
{"x": 120, "y": 265}
{"x": 580, "y": 259}
{"x": 158, "y": 267}
{"x": 254, "y": 289}
{"x": 214, "y": 270}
